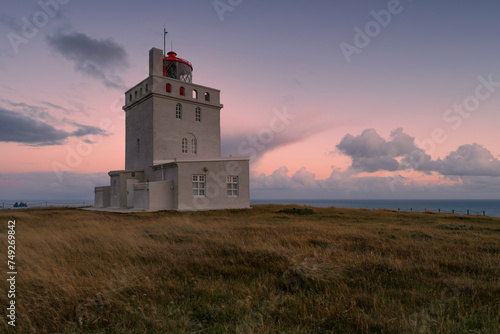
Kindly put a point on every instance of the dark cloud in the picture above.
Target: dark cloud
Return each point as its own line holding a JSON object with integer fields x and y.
{"x": 17, "y": 127}
{"x": 85, "y": 130}
{"x": 93, "y": 57}
{"x": 370, "y": 152}
{"x": 7, "y": 88}
{"x": 79, "y": 108}
{"x": 31, "y": 111}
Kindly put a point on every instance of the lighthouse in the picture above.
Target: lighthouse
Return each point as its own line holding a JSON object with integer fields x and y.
{"x": 172, "y": 147}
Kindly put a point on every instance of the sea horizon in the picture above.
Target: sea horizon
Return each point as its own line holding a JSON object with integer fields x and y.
{"x": 488, "y": 207}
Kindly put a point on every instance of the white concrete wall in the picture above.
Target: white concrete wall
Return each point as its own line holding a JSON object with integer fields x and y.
{"x": 216, "y": 186}
{"x": 115, "y": 191}
{"x": 161, "y": 195}
{"x": 139, "y": 125}
{"x": 102, "y": 197}
{"x": 141, "y": 196}
{"x": 119, "y": 186}
{"x": 166, "y": 173}
{"x": 154, "y": 195}
{"x": 169, "y": 131}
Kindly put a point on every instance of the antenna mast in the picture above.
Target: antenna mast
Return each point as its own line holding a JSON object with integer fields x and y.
{"x": 164, "y": 41}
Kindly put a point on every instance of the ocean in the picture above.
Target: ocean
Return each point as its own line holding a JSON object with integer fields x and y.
{"x": 10, "y": 204}
{"x": 475, "y": 207}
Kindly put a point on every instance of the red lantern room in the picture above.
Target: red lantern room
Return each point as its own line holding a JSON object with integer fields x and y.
{"x": 177, "y": 68}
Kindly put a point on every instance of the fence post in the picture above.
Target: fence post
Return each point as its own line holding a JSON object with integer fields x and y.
{"x": 467, "y": 212}
{"x": 484, "y": 213}
{"x": 453, "y": 211}
{"x": 439, "y": 210}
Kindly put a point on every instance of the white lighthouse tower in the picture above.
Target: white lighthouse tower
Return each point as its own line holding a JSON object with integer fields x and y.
{"x": 172, "y": 151}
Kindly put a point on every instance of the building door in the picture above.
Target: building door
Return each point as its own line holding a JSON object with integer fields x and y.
{"x": 130, "y": 192}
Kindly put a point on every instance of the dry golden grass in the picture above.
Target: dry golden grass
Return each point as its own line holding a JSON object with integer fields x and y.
{"x": 254, "y": 271}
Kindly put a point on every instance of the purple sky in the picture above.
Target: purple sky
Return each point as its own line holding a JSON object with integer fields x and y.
{"x": 374, "y": 99}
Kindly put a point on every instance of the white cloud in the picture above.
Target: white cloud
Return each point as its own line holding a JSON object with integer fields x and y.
{"x": 370, "y": 152}
{"x": 345, "y": 185}
{"x": 467, "y": 160}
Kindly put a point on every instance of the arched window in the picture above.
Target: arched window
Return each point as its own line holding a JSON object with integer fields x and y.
{"x": 178, "y": 111}
{"x": 194, "y": 146}
{"x": 168, "y": 88}
{"x": 138, "y": 146}
{"x": 198, "y": 114}
{"x": 195, "y": 94}
{"x": 184, "y": 145}
{"x": 207, "y": 96}
{"x": 181, "y": 91}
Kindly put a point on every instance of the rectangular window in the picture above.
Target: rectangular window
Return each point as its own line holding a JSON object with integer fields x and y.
{"x": 198, "y": 115}
{"x": 232, "y": 186}
{"x": 178, "y": 111}
{"x": 199, "y": 185}
{"x": 194, "y": 146}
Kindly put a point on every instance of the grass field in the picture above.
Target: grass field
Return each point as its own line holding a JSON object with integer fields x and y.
{"x": 253, "y": 271}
